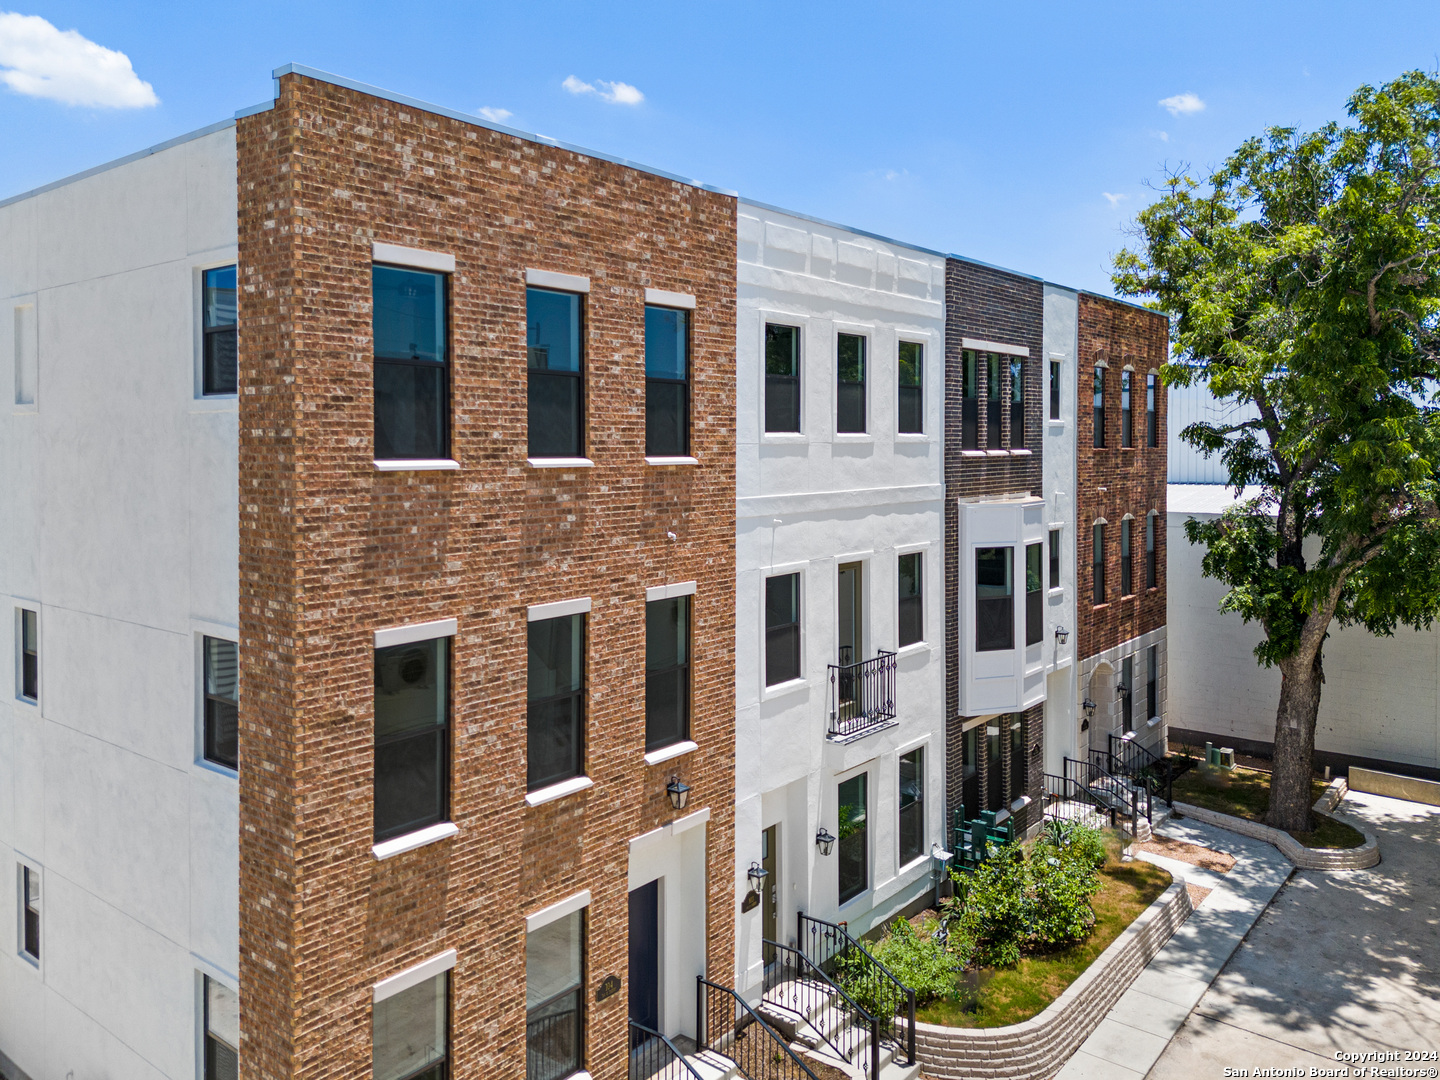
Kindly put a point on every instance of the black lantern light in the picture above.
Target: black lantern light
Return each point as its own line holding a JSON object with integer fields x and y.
{"x": 757, "y": 875}
{"x": 1061, "y": 635}
{"x": 824, "y": 841}
{"x": 679, "y": 792}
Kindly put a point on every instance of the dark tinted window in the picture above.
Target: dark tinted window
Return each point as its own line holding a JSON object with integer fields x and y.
{"x": 30, "y": 899}
{"x": 911, "y": 403}
{"x": 412, "y": 706}
{"x": 1099, "y": 406}
{"x": 854, "y": 863}
{"x": 1151, "y": 427}
{"x": 554, "y": 999}
{"x": 555, "y": 362}
{"x": 912, "y": 603}
{"x": 220, "y": 332}
{"x": 1034, "y": 595}
{"x": 1054, "y": 558}
{"x": 29, "y": 655}
{"x": 1152, "y": 682}
{"x": 782, "y": 378}
{"x": 993, "y": 401}
{"x": 912, "y": 805}
{"x": 1127, "y": 562}
{"x": 1152, "y": 569}
{"x": 1017, "y": 403}
{"x": 1054, "y": 389}
{"x": 667, "y": 390}
{"x": 970, "y": 402}
{"x": 411, "y": 384}
{"x": 222, "y": 706}
{"x": 782, "y": 629}
{"x": 1097, "y": 564}
{"x": 556, "y": 714}
{"x": 850, "y": 383}
{"x": 222, "y": 1032}
{"x": 994, "y": 599}
{"x": 667, "y": 672}
{"x": 1127, "y": 416}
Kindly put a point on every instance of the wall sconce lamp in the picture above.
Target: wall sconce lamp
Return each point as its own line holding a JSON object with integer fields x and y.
{"x": 756, "y": 875}
{"x": 1061, "y": 635}
{"x": 824, "y": 841}
{"x": 1121, "y": 689}
{"x": 1089, "y": 707}
{"x": 679, "y": 792}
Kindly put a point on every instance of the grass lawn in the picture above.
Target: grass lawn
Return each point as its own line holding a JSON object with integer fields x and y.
{"x": 1019, "y": 993}
{"x": 1246, "y": 793}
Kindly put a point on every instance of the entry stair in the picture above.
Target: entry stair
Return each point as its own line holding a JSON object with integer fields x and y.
{"x": 1127, "y": 800}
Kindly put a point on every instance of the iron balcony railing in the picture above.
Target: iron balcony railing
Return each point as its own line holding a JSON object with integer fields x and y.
{"x": 892, "y": 1003}
{"x": 1129, "y": 758}
{"x": 797, "y": 985}
{"x": 654, "y": 1057}
{"x": 862, "y": 696}
{"x": 1066, "y": 799}
{"x": 726, "y": 1024}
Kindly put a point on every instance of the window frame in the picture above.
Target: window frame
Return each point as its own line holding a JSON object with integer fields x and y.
{"x": 207, "y": 741}
{"x": 796, "y": 380}
{"x": 1152, "y": 415}
{"x": 686, "y": 603}
{"x": 1152, "y": 550}
{"x": 443, "y": 1063}
{"x": 446, "y": 434}
{"x": 798, "y": 624}
{"x": 1015, "y": 752}
{"x": 916, "y": 599}
{"x": 25, "y": 872}
{"x": 579, "y": 374}
{"x": 1097, "y": 563}
{"x": 970, "y": 399}
{"x": 1055, "y": 577}
{"x": 1099, "y": 407}
{"x": 1056, "y": 367}
{"x": 207, "y": 332}
{"x": 1127, "y": 555}
{"x": 1016, "y": 366}
{"x": 867, "y": 860}
{"x": 446, "y": 737}
{"x": 863, "y": 336}
{"x": 918, "y": 753}
{"x": 27, "y": 648}
{"x": 1034, "y": 598}
{"x": 1127, "y": 411}
{"x": 901, "y": 387}
{"x": 206, "y": 1035}
{"x": 1127, "y": 697}
{"x": 1152, "y": 682}
{"x": 1008, "y": 607}
{"x": 577, "y": 990}
{"x": 580, "y": 695}
{"x": 686, "y": 314}
{"x": 994, "y": 400}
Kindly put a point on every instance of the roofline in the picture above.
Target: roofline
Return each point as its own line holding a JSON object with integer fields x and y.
{"x": 200, "y": 133}
{"x": 1002, "y": 269}
{"x": 477, "y": 121}
{"x": 847, "y": 228}
{"x": 1127, "y": 303}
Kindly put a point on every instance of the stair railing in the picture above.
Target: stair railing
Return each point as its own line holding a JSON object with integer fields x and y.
{"x": 1066, "y": 799}
{"x": 1137, "y": 760}
{"x": 826, "y": 945}
{"x": 725, "y": 1023}
{"x": 1134, "y": 799}
{"x": 795, "y": 983}
{"x": 655, "y": 1057}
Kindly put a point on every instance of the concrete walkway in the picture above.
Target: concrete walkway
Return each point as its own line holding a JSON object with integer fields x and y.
{"x": 1134, "y": 1034}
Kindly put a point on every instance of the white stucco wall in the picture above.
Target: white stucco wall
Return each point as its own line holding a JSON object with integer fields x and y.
{"x": 119, "y": 525}
{"x": 807, "y": 503}
{"x": 1381, "y": 698}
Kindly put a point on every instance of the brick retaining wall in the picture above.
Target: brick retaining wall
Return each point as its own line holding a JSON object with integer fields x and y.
{"x": 1357, "y": 858}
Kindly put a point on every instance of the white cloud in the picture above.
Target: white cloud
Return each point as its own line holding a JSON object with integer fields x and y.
{"x": 40, "y": 61}
{"x": 617, "y": 93}
{"x": 1182, "y": 104}
{"x": 495, "y": 116}
{"x": 1163, "y": 136}
{"x": 1115, "y": 200}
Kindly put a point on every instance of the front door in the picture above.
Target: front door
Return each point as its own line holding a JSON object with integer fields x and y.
{"x": 645, "y": 955}
{"x": 769, "y": 906}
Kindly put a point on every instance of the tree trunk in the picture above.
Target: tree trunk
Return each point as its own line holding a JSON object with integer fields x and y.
{"x": 1301, "y": 678}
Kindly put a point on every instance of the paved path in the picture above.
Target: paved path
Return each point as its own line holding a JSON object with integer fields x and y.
{"x": 1342, "y": 961}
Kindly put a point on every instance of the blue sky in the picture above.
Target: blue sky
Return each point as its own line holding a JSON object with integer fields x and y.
{"x": 1020, "y": 134}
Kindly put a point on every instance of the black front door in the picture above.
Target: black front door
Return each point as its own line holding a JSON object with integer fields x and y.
{"x": 645, "y": 955}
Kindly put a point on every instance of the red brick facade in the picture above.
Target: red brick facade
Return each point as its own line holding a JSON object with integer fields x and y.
{"x": 332, "y": 550}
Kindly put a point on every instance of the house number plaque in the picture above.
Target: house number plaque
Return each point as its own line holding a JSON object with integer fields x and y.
{"x": 608, "y": 986}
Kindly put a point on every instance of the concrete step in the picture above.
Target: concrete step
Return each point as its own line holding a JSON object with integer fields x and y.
{"x": 709, "y": 1064}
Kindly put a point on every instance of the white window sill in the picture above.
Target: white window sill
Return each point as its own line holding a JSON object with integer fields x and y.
{"x": 913, "y": 647}
{"x": 559, "y": 791}
{"x": 1058, "y": 590}
{"x": 854, "y": 436}
{"x": 216, "y": 768}
{"x": 781, "y": 689}
{"x": 997, "y": 453}
{"x": 674, "y": 750}
{"x": 972, "y": 453}
{"x": 912, "y": 437}
{"x": 560, "y": 463}
{"x": 682, "y": 460}
{"x": 1020, "y": 804}
{"x": 783, "y": 436}
{"x": 1055, "y": 422}
{"x": 1152, "y": 721}
{"x": 417, "y": 465}
{"x": 388, "y": 849}
{"x": 1021, "y": 452}
{"x": 21, "y": 699}
{"x": 215, "y": 402}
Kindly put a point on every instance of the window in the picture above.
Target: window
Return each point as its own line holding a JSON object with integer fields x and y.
{"x": 411, "y": 383}
{"x": 782, "y": 629}
{"x": 222, "y": 1032}
{"x": 1034, "y": 584}
{"x": 29, "y": 680}
{"x": 994, "y": 599}
{"x": 994, "y": 776}
{"x": 782, "y": 378}
{"x": 1017, "y": 403}
{"x": 992, "y": 401}
{"x": 222, "y": 706}
{"x": 912, "y": 805}
{"x": 1099, "y": 405}
{"x": 970, "y": 403}
{"x": 911, "y": 404}
{"x": 1097, "y": 564}
{"x": 1017, "y": 757}
{"x": 667, "y": 672}
{"x": 412, "y": 715}
{"x": 1152, "y": 568}
{"x": 1152, "y": 682}
{"x": 1054, "y": 558}
{"x": 850, "y": 384}
{"x": 1127, "y": 422}
{"x": 556, "y": 380}
{"x": 854, "y": 865}
{"x": 1054, "y": 389}
{"x": 410, "y": 1037}
{"x": 667, "y": 388}
{"x": 912, "y": 604}
{"x": 1127, "y": 693}
{"x": 556, "y": 712}
{"x": 218, "y": 327}
{"x": 1152, "y": 431}
{"x": 554, "y": 1006}
{"x": 1127, "y": 562}
{"x": 30, "y": 912}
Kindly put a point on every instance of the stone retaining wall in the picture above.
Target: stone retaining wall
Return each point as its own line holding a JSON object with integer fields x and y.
{"x": 1357, "y": 858}
{"x": 1037, "y": 1048}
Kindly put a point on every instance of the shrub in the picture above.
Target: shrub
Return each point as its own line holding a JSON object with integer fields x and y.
{"x": 1076, "y": 839}
{"x": 994, "y": 906}
{"x": 920, "y": 961}
{"x": 1064, "y": 882}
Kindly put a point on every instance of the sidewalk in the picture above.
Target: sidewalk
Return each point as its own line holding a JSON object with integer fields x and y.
{"x": 1136, "y": 1031}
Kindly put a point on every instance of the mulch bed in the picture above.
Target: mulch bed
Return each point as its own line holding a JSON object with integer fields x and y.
{"x": 1194, "y": 854}
{"x": 1197, "y": 894}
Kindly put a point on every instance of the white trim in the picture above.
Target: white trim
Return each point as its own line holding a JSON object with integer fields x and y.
{"x": 674, "y": 750}
{"x": 667, "y": 592}
{"x": 414, "y": 976}
{"x": 425, "y": 631}
{"x": 689, "y": 821}
{"x": 410, "y": 841}
{"x": 558, "y": 791}
{"x": 560, "y": 463}
{"x": 550, "y": 279}
{"x": 416, "y": 464}
{"x": 678, "y": 460}
{"x": 993, "y": 346}
{"x": 557, "y": 911}
{"x": 397, "y": 255}
{"x": 662, "y": 298}
{"x": 558, "y": 609}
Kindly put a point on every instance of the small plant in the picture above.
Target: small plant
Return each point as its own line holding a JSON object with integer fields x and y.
{"x": 1064, "y": 882}
{"x": 995, "y": 912}
{"x": 928, "y": 966}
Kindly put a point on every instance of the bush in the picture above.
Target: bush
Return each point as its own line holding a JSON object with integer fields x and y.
{"x": 1064, "y": 882}
{"x": 1079, "y": 840}
{"x": 929, "y": 967}
{"x": 994, "y": 906}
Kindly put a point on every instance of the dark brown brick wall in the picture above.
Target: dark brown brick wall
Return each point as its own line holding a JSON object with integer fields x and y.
{"x": 332, "y": 550}
{"x": 1113, "y": 480}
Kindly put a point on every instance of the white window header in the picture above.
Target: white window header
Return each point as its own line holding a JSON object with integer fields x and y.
{"x": 549, "y": 279}
{"x": 993, "y": 346}
{"x": 414, "y": 976}
{"x": 559, "y": 609}
{"x": 662, "y": 298}
{"x": 666, "y": 592}
{"x": 406, "y": 256}
{"x": 556, "y": 912}
{"x": 425, "y": 631}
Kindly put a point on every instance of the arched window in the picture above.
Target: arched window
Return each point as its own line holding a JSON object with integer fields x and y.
{"x": 1099, "y": 405}
{"x": 1152, "y": 426}
{"x": 1127, "y": 562}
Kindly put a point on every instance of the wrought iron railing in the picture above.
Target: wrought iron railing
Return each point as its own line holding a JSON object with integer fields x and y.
{"x": 1066, "y": 799}
{"x": 862, "y": 696}
{"x": 726, "y": 1024}
{"x": 1119, "y": 793}
{"x": 829, "y": 947}
{"x": 1129, "y": 758}
{"x": 654, "y": 1057}
{"x": 796, "y": 984}
{"x": 554, "y": 1034}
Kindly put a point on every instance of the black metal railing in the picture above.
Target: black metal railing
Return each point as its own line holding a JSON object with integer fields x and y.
{"x": 796, "y": 984}
{"x": 1119, "y": 793}
{"x": 654, "y": 1057}
{"x": 1129, "y": 758}
{"x": 554, "y": 1036}
{"x": 862, "y": 696}
{"x": 830, "y": 947}
{"x": 726, "y": 1024}
{"x": 1067, "y": 799}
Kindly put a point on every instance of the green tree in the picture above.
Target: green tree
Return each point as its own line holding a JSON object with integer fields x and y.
{"x": 1303, "y": 278}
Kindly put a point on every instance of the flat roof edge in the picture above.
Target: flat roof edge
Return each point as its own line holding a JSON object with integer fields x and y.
{"x": 837, "y": 225}
{"x": 479, "y": 121}
{"x": 199, "y": 133}
{"x": 1001, "y": 269}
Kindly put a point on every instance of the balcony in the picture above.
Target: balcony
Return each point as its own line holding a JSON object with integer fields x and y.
{"x": 862, "y": 696}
